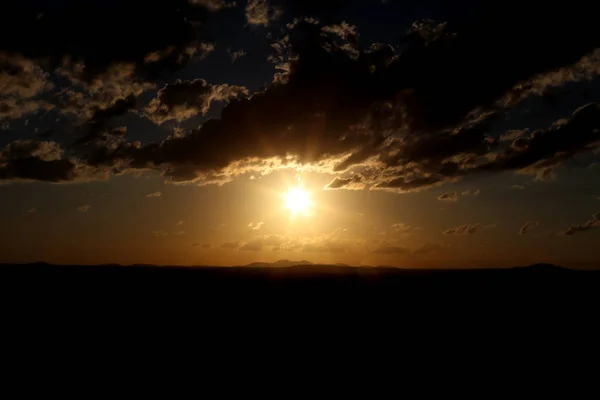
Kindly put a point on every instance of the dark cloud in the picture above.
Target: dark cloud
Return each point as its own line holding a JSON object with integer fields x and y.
{"x": 513, "y": 134}
{"x": 405, "y": 116}
{"x": 33, "y": 160}
{"x": 463, "y": 229}
{"x": 525, "y": 227}
{"x": 353, "y": 182}
{"x": 593, "y": 223}
{"x": 97, "y": 123}
{"x": 100, "y": 33}
{"x": 184, "y": 99}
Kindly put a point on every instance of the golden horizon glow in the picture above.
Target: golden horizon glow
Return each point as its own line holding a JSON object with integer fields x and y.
{"x": 297, "y": 201}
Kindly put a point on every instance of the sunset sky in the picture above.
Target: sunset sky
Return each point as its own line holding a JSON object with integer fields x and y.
{"x": 418, "y": 134}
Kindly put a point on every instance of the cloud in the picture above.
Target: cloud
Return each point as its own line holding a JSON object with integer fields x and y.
{"x": 213, "y": 5}
{"x": 450, "y": 196}
{"x": 236, "y": 55}
{"x": 29, "y": 160}
{"x": 471, "y": 192}
{"x": 21, "y": 81}
{"x": 32, "y": 210}
{"x": 513, "y": 134}
{"x": 391, "y": 250}
{"x": 352, "y": 183}
{"x": 400, "y": 227}
{"x": 259, "y": 12}
{"x": 179, "y": 223}
{"x": 344, "y": 30}
{"x": 154, "y": 194}
{"x": 393, "y": 117}
{"x": 101, "y": 36}
{"x": 464, "y": 229}
{"x": 327, "y": 246}
{"x": 427, "y": 248}
{"x": 179, "y": 233}
{"x": 593, "y": 223}
{"x": 231, "y": 245}
{"x": 98, "y": 121}
{"x": 256, "y": 226}
{"x": 255, "y": 245}
{"x": 518, "y": 187}
{"x": 526, "y": 227}
{"x": 184, "y": 99}
{"x": 84, "y": 208}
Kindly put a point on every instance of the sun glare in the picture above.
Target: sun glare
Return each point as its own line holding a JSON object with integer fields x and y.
{"x": 297, "y": 201}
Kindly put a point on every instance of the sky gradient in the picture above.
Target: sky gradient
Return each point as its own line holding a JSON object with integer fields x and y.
{"x": 427, "y": 134}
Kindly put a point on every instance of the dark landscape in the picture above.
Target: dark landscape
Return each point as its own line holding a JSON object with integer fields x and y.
{"x": 348, "y": 289}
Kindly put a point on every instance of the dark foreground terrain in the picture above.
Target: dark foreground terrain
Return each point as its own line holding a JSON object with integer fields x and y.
{"x": 311, "y": 287}
{"x": 287, "y": 309}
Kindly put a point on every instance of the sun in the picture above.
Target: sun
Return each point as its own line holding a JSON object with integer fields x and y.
{"x": 297, "y": 201}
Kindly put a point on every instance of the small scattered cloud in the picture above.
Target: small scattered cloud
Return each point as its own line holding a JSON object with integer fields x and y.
{"x": 155, "y": 194}
{"x": 518, "y": 187}
{"x": 463, "y": 229}
{"x": 179, "y": 233}
{"x": 593, "y": 223}
{"x": 450, "y": 196}
{"x": 256, "y": 226}
{"x": 259, "y": 12}
{"x": 84, "y": 208}
{"x": 455, "y": 196}
{"x": 179, "y": 223}
{"x": 32, "y": 210}
{"x": 344, "y": 30}
{"x": 213, "y": 5}
{"x": 218, "y": 227}
{"x": 400, "y": 227}
{"x": 236, "y": 55}
{"x": 160, "y": 233}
